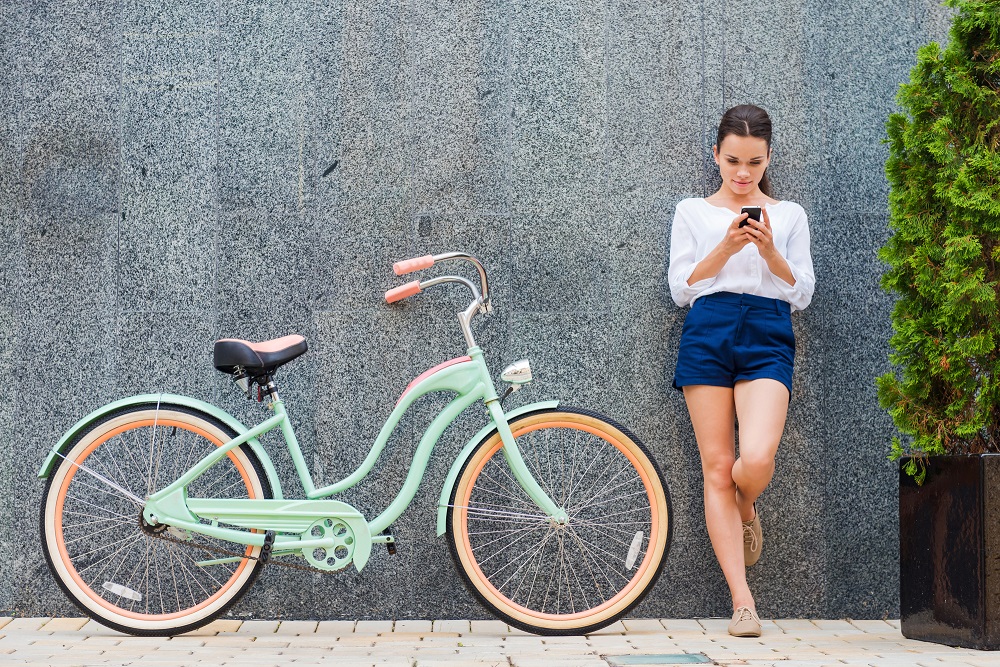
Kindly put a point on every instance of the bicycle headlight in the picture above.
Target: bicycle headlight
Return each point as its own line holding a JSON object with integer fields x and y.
{"x": 517, "y": 373}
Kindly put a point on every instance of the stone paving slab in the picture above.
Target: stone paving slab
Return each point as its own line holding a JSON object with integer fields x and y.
{"x": 335, "y": 628}
{"x": 257, "y": 628}
{"x": 453, "y": 643}
{"x": 25, "y": 625}
{"x": 62, "y": 624}
{"x": 373, "y": 628}
{"x": 297, "y": 628}
{"x": 458, "y": 626}
{"x": 414, "y": 626}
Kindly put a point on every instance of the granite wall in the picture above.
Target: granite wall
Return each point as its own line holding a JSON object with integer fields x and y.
{"x": 171, "y": 173}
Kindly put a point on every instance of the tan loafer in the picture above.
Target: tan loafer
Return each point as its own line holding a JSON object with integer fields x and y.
{"x": 745, "y": 623}
{"x": 753, "y": 539}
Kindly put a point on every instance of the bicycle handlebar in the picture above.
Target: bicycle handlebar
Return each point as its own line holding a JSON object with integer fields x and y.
{"x": 480, "y": 301}
{"x": 425, "y": 262}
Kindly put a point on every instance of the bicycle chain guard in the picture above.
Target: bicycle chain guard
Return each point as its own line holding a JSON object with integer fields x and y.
{"x": 328, "y": 534}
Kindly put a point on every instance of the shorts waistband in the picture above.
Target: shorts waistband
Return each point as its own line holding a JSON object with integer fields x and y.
{"x": 748, "y": 300}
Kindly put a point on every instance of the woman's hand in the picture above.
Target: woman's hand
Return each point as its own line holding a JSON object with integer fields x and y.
{"x": 761, "y": 235}
{"x": 736, "y": 237}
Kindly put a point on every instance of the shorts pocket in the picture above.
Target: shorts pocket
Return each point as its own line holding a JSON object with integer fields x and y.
{"x": 780, "y": 329}
{"x": 699, "y": 319}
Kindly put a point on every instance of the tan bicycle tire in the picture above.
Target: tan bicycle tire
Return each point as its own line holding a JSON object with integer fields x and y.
{"x": 627, "y": 452}
{"x": 66, "y": 493}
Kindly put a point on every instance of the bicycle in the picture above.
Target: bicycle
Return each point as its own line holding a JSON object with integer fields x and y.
{"x": 160, "y": 511}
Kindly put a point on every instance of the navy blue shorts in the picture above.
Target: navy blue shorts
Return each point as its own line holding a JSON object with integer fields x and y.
{"x": 731, "y": 337}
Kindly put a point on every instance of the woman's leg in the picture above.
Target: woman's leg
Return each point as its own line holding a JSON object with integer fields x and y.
{"x": 761, "y": 408}
{"x": 712, "y": 413}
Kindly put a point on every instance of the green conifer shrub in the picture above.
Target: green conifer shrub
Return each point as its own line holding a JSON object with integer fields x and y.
{"x": 944, "y": 252}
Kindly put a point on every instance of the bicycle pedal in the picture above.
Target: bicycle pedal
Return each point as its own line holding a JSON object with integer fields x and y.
{"x": 390, "y": 545}
{"x": 265, "y": 551}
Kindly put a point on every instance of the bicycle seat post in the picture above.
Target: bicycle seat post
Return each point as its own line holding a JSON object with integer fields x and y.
{"x": 269, "y": 390}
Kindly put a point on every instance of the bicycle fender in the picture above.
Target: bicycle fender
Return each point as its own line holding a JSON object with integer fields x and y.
{"x": 166, "y": 400}
{"x": 463, "y": 456}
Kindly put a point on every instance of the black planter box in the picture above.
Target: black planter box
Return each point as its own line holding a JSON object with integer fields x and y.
{"x": 949, "y": 552}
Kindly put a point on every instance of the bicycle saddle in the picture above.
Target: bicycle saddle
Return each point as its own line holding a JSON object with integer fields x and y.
{"x": 257, "y": 358}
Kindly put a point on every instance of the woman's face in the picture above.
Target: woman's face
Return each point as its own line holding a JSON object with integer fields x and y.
{"x": 742, "y": 161}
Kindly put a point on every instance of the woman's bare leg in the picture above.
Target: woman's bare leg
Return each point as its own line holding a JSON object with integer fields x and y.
{"x": 712, "y": 411}
{"x": 761, "y": 408}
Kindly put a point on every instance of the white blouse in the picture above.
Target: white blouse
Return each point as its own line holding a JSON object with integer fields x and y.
{"x": 699, "y": 227}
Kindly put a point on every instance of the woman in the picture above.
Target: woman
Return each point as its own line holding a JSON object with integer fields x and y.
{"x": 742, "y": 279}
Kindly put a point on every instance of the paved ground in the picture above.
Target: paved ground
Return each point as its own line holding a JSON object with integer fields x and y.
{"x": 788, "y": 643}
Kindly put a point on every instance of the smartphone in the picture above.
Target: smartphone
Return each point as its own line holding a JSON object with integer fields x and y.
{"x": 753, "y": 211}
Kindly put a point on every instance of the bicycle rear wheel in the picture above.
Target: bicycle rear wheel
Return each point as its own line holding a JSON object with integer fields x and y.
{"x": 565, "y": 579}
{"x": 121, "y": 572}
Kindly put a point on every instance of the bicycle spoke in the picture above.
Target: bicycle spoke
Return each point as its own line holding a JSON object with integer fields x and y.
{"x": 118, "y": 547}
{"x": 126, "y": 493}
{"x": 594, "y": 549}
{"x": 606, "y": 488}
{"x": 478, "y": 510}
{"x": 586, "y": 474}
{"x": 111, "y": 516}
{"x": 597, "y": 503}
{"x": 116, "y": 520}
{"x": 595, "y": 566}
{"x": 92, "y": 534}
{"x": 537, "y": 551}
{"x": 501, "y": 551}
{"x": 643, "y": 508}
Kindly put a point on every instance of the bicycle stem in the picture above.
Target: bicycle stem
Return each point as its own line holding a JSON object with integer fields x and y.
{"x": 478, "y": 305}
{"x": 465, "y": 322}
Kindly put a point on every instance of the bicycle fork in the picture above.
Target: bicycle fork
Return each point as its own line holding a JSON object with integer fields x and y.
{"x": 519, "y": 468}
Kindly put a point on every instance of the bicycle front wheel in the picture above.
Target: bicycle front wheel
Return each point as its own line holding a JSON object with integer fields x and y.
{"x": 551, "y": 578}
{"x": 135, "y": 578}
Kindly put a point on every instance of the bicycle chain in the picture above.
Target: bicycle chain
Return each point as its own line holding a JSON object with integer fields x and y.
{"x": 160, "y": 535}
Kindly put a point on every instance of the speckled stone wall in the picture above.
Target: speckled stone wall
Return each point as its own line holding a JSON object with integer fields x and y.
{"x": 171, "y": 173}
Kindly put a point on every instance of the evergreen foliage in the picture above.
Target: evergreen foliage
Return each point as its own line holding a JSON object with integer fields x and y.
{"x": 944, "y": 253}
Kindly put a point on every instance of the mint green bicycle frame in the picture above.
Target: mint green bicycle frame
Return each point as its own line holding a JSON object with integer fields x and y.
{"x": 469, "y": 380}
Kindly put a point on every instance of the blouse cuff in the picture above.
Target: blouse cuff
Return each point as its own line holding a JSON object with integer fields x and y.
{"x": 798, "y": 295}
{"x": 684, "y": 294}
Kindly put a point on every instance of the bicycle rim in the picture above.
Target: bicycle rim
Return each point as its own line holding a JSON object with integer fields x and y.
{"x": 107, "y": 564}
{"x": 561, "y": 579}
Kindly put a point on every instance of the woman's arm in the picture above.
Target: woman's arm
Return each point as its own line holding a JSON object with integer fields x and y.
{"x": 715, "y": 260}
{"x": 687, "y": 277}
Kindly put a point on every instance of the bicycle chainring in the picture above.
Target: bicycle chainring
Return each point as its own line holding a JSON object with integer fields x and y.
{"x": 335, "y": 557}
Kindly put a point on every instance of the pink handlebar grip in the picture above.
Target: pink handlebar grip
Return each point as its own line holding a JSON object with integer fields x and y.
{"x": 403, "y": 291}
{"x": 409, "y": 265}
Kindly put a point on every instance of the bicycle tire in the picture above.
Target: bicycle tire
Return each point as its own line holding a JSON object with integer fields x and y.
{"x": 101, "y": 557}
{"x": 586, "y": 574}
